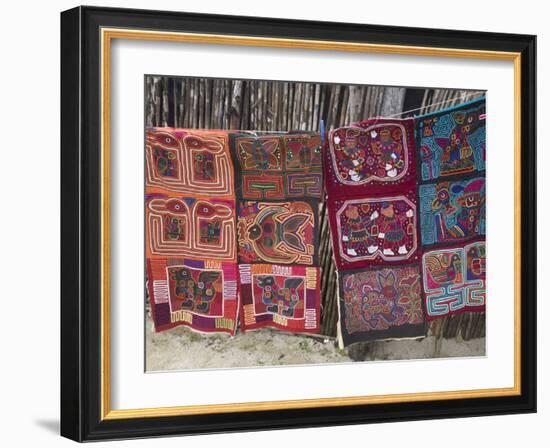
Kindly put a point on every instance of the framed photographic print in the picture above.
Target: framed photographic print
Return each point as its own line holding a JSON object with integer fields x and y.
{"x": 276, "y": 224}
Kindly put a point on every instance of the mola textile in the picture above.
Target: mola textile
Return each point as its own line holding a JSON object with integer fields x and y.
{"x": 279, "y": 185}
{"x": 191, "y": 247}
{"x": 373, "y": 156}
{"x": 452, "y": 142}
{"x": 274, "y": 166}
{"x": 199, "y": 294}
{"x": 381, "y": 303}
{"x": 452, "y": 204}
{"x": 454, "y": 279}
{"x": 370, "y": 178}
{"x": 284, "y": 297}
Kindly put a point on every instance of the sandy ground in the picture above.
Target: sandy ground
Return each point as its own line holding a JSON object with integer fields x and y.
{"x": 181, "y": 348}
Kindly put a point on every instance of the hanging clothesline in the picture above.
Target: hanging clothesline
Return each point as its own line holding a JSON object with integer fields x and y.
{"x": 427, "y": 106}
{"x": 460, "y": 98}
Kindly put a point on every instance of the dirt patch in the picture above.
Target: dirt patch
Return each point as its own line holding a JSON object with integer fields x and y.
{"x": 181, "y": 348}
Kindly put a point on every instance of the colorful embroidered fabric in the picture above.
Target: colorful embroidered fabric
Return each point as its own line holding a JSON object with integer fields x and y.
{"x": 374, "y": 230}
{"x": 381, "y": 303}
{"x": 454, "y": 279}
{"x": 189, "y": 161}
{"x": 452, "y": 142}
{"x": 190, "y": 227}
{"x": 199, "y": 294}
{"x": 279, "y": 183}
{"x": 407, "y": 217}
{"x": 372, "y": 154}
{"x": 277, "y": 232}
{"x": 284, "y": 297}
{"x": 370, "y": 175}
{"x": 452, "y": 208}
{"x": 195, "y": 228}
{"x": 277, "y": 166}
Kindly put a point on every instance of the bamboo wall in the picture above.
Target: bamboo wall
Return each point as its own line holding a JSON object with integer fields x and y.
{"x": 285, "y": 106}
